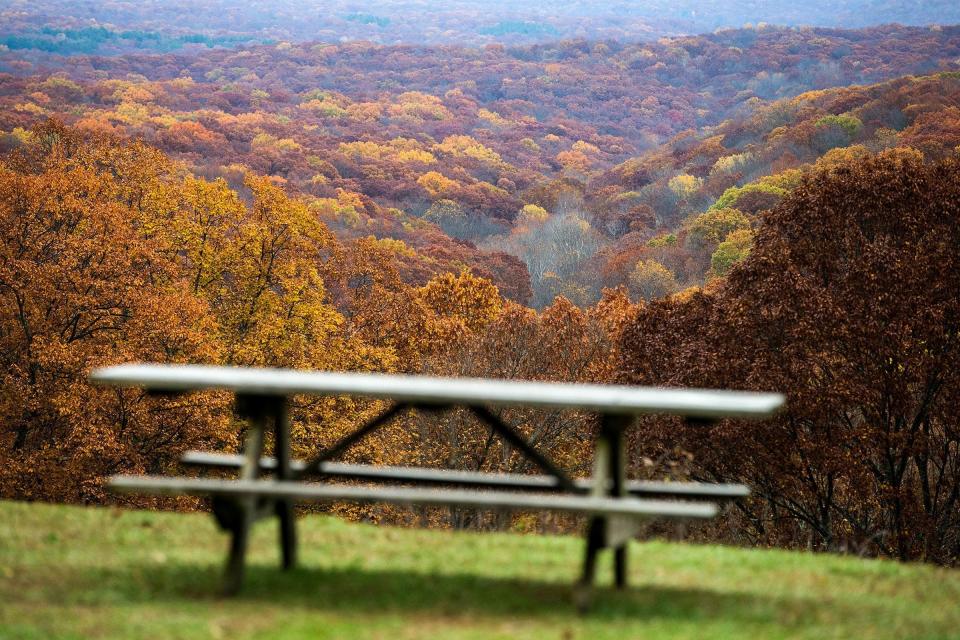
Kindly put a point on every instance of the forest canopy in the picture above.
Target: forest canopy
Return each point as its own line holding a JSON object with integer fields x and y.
{"x": 69, "y": 28}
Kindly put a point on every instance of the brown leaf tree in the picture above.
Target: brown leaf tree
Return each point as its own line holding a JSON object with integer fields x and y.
{"x": 849, "y": 304}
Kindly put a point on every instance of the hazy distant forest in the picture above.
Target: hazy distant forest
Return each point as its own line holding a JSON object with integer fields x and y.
{"x": 576, "y": 196}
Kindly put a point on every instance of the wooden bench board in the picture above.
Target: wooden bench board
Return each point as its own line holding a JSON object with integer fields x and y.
{"x": 607, "y": 399}
{"x": 314, "y": 492}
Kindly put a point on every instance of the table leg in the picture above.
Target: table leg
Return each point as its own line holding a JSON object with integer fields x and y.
{"x": 620, "y": 566}
{"x": 596, "y": 526}
{"x": 240, "y": 536}
{"x": 609, "y": 479}
{"x": 584, "y": 589}
{"x": 284, "y": 508}
{"x": 246, "y": 507}
{"x": 613, "y": 427}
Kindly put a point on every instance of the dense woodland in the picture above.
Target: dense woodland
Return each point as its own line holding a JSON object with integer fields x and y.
{"x": 40, "y": 27}
{"x": 767, "y": 208}
{"x": 545, "y": 159}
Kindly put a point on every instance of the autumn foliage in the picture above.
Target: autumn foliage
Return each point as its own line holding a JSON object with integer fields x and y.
{"x": 847, "y": 303}
{"x": 111, "y": 254}
{"x": 441, "y": 148}
{"x": 760, "y": 208}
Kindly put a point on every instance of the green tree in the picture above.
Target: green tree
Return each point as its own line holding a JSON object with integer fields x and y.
{"x": 709, "y": 229}
{"x": 733, "y": 249}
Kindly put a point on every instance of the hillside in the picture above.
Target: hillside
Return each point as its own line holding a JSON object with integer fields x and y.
{"x": 461, "y": 153}
{"x": 72, "y": 572}
{"x": 65, "y": 27}
{"x": 701, "y": 187}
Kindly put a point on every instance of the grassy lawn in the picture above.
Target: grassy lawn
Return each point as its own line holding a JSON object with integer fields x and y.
{"x": 71, "y": 572}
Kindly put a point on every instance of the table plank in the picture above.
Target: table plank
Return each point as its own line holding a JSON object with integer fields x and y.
{"x": 610, "y": 399}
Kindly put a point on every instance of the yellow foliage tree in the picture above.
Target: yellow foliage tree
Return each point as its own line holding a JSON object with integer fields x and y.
{"x": 650, "y": 279}
{"x": 437, "y": 185}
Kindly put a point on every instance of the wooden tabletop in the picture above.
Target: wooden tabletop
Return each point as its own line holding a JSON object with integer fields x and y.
{"x": 609, "y": 399}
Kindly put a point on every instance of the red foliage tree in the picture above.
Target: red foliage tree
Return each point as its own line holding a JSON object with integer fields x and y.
{"x": 848, "y": 304}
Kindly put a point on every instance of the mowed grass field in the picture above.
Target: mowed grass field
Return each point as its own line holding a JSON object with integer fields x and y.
{"x": 73, "y": 572}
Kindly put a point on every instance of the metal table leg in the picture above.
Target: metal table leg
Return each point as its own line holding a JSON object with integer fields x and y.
{"x": 244, "y": 510}
{"x": 583, "y": 592}
{"x": 609, "y": 474}
{"x": 613, "y": 427}
{"x": 284, "y": 508}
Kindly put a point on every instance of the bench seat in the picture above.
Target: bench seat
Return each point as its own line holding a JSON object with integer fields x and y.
{"x": 316, "y": 492}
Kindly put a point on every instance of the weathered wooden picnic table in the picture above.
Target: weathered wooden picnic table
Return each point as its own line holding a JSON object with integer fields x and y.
{"x": 613, "y": 504}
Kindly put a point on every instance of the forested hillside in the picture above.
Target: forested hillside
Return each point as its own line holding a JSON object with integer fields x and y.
{"x": 763, "y": 208}
{"x": 39, "y": 28}
{"x": 507, "y": 160}
{"x": 706, "y": 191}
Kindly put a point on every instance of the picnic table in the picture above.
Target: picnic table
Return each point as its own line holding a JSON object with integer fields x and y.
{"x": 615, "y": 507}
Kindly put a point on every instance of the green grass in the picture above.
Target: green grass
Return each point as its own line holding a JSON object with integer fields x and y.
{"x": 71, "y": 572}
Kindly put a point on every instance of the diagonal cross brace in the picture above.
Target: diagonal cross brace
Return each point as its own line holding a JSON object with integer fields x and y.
{"x": 510, "y": 435}
{"x": 313, "y": 467}
{"x": 492, "y": 420}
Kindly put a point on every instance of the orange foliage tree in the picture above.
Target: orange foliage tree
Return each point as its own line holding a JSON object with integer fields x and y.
{"x": 81, "y": 285}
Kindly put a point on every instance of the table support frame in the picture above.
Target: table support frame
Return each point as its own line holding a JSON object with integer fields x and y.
{"x": 609, "y": 479}
{"x": 237, "y": 515}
